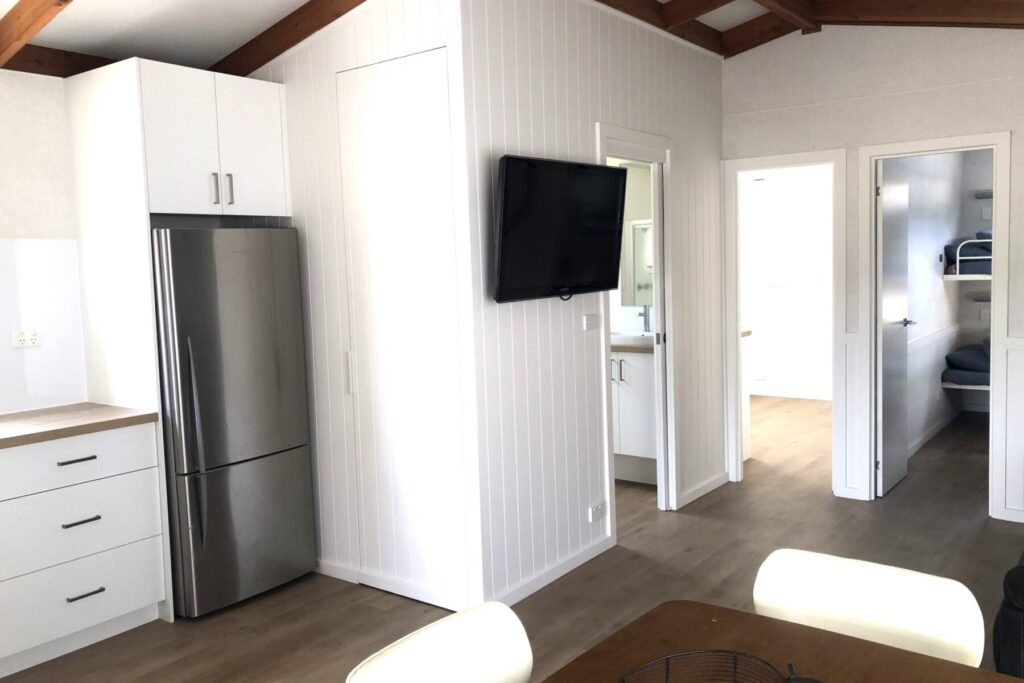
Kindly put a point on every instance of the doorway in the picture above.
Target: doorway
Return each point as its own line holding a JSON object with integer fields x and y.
{"x": 784, "y": 218}
{"x": 934, "y": 269}
{"x": 638, "y": 394}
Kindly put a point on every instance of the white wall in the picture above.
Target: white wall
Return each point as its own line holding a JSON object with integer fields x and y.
{"x": 36, "y": 190}
{"x": 39, "y": 290}
{"x": 933, "y": 220}
{"x": 624, "y": 319}
{"x": 785, "y": 238}
{"x": 849, "y": 86}
{"x": 539, "y": 75}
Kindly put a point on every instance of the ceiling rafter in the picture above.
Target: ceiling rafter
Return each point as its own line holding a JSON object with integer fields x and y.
{"x": 36, "y": 59}
{"x": 680, "y": 12}
{"x": 800, "y": 13}
{"x": 753, "y": 33}
{"x": 23, "y": 21}
{"x": 990, "y": 13}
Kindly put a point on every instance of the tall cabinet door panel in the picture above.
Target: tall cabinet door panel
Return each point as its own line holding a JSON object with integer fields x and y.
{"x": 397, "y": 187}
{"x": 179, "y": 114}
{"x": 252, "y": 151}
{"x": 636, "y": 405}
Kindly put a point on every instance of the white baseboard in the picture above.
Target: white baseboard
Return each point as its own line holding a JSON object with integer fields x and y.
{"x": 336, "y": 570}
{"x": 707, "y": 486}
{"x": 535, "y": 583}
{"x": 76, "y": 641}
{"x": 416, "y": 591}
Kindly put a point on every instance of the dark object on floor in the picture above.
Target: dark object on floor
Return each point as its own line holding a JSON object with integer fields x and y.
{"x": 1008, "y": 630}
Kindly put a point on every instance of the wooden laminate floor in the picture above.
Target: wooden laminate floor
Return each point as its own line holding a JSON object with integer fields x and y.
{"x": 317, "y": 628}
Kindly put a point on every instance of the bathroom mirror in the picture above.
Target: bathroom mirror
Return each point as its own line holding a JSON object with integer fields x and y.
{"x": 637, "y": 282}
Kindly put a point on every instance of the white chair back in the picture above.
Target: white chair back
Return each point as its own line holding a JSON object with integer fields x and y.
{"x": 906, "y": 609}
{"x": 485, "y": 644}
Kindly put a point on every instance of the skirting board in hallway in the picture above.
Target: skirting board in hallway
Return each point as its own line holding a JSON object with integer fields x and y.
{"x": 318, "y": 628}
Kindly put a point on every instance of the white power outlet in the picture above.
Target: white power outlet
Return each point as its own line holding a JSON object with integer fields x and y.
{"x": 596, "y": 512}
{"x": 591, "y": 321}
{"x": 21, "y": 339}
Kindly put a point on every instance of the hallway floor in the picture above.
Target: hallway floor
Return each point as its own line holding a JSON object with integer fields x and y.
{"x": 318, "y": 628}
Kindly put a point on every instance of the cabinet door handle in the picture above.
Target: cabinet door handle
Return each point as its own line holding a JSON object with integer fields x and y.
{"x": 231, "y": 187}
{"x": 64, "y": 463}
{"x": 69, "y": 525}
{"x": 622, "y": 377}
{"x": 99, "y": 590}
{"x": 613, "y": 369}
{"x": 216, "y": 188}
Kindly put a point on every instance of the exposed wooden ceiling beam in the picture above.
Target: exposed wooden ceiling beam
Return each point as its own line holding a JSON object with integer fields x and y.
{"x": 36, "y": 59}
{"x": 653, "y": 13}
{"x": 680, "y": 12}
{"x": 649, "y": 11}
{"x": 23, "y": 21}
{"x": 290, "y": 31}
{"x": 800, "y": 13}
{"x": 998, "y": 13}
{"x": 699, "y": 34}
{"x": 753, "y": 33}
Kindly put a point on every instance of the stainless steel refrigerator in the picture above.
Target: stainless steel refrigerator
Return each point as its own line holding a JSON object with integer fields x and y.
{"x": 236, "y": 427}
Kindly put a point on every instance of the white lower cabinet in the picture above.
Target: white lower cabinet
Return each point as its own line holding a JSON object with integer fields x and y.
{"x": 55, "y": 602}
{"x": 81, "y": 542}
{"x": 633, "y": 405}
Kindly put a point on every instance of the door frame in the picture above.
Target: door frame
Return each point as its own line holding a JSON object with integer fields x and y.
{"x": 731, "y": 169}
{"x": 869, "y": 155}
{"x": 623, "y": 143}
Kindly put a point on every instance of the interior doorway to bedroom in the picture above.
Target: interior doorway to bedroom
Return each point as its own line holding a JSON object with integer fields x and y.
{"x": 784, "y": 230}
{"x": 934, "y": 234}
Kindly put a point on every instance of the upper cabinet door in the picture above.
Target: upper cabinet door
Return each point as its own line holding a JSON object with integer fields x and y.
{"x": 179, "y": 110}
{"x": 252, "y": 150}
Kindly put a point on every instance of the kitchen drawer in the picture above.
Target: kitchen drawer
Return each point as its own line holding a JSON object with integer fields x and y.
{"x": 36, "y": 609}
{"x": 57, "y": 526}
{"x": 25, "y": 470}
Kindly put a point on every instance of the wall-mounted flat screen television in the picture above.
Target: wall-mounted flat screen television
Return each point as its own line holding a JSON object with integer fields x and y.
{"x": 559, "y": 228}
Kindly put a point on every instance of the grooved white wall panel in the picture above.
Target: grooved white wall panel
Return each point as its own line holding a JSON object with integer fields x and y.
{"x": 539, "y": 75}
{"x": 850, "y": 86}
{"x": 376, "y": 31}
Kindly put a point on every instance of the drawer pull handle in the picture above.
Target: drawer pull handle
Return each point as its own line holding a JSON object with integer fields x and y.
{"x": 80, "y": 522}
{"x": 99, "y": 590}
{"x": 87, "y": 458}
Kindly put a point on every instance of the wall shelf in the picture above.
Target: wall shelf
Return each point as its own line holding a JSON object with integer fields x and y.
{"x": 965, "y": 387}
{"x": 965, "y": 278}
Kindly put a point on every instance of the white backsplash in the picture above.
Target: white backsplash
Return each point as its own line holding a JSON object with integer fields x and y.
{"x": 39, "y": 291}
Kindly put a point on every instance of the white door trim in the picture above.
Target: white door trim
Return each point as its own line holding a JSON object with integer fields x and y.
{"x": 998, "y": 504}
{"x": 639, "y": 146}
{"x": 730, "y": 254}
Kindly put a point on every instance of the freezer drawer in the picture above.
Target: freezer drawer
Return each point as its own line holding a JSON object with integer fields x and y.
{"x": 243, "y": 529}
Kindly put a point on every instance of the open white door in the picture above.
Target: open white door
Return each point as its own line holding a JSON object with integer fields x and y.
{"x": 892, "y": 206}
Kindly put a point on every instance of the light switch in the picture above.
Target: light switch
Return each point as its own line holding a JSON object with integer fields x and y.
{"x": 986, "y": 213}
{"x": 591, "y": 321}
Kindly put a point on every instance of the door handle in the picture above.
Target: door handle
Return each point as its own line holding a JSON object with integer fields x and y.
{"x": 622, "y": 378}
{"x": 216, "y": 188}
{"x": 71, "y": 525}
{"x": 65, "y": 463}
{"x": 91, "y": 593}
{"x": 613, "y": 369}
{"x": 231, "y": 187}
{"x": 906, "y": 322}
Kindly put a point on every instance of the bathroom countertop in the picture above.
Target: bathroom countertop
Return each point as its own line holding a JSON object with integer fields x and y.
{"x": 58, "y": 422}
{"x": 632, "y": 348}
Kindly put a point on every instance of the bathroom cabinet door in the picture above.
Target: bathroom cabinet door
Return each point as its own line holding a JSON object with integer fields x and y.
{"x": 635, "y": 380}
{"x": 616, "y": 430}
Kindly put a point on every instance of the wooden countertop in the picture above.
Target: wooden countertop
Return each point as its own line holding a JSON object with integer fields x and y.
{"x": 632, "y": 348}
{"x": 684, "y": 626}
{"x": 58, "y": 422}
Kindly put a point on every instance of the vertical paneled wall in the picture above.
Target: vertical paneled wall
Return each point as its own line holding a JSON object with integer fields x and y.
{"x": 539, "y": 75}
{"x": 373, "y": 32}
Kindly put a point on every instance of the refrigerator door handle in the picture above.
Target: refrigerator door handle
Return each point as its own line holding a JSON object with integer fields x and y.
{"x": 197, "y": 430}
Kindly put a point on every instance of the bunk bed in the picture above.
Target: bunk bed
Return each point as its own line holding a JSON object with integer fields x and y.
{"x": 969, "y": 367}
{"x": 970, "y": 258}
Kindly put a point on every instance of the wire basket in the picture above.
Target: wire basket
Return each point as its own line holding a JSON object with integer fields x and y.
{"x": 706, "y": 666}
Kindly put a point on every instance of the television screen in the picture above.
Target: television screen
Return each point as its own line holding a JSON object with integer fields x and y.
{"x": 559, "y": 228}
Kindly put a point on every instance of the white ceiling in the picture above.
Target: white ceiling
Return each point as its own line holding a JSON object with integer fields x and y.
{"x": 190, "y": 32}
{"x": 733, "y": 14}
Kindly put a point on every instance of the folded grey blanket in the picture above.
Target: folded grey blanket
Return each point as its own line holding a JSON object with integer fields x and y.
{"x": 972, "y": 358}
{"x": 966, "y": 377}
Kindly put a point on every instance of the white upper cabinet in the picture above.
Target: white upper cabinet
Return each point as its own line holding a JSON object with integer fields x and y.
{"x": 179, "y": 114}
{"x": 214, "y": 143}
{"x": 251, "y": 127}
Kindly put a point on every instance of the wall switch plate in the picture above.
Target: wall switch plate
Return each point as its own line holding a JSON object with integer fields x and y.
{"x": 591, "y": 321}
{"x": 986, "y": 315}
{"x": 596, "y": 512}
{"x": 21, "y": 339}
{"x": 986, "y": 213}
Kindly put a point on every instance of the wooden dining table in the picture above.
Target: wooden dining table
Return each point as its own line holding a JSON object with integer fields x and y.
{"x": 682, "y": 626}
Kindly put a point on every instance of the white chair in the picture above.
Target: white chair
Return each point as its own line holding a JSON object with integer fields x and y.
{"x": 906, "y": 609}
{"x": 485, "y": 644}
